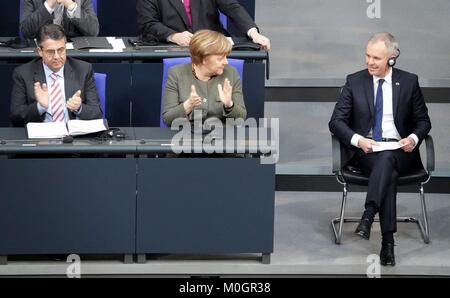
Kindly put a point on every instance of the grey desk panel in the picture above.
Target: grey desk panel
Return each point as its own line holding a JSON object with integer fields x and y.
{"x": 15, "y": 141}
{"x": 66, "y": 206}
{"x": 205, "y": 205}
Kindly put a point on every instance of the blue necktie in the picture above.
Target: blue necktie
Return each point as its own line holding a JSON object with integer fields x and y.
{"x": 376, "y": 130}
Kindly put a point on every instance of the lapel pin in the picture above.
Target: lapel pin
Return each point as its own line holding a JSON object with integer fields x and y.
{"x": 397, "y": 84}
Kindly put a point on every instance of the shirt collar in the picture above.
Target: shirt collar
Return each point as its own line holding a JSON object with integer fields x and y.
{"x": 48, "y": 71}
{"x": 387, "y": 78}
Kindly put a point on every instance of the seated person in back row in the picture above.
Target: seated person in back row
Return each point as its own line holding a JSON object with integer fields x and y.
{"x": 207, "y": 84}
{"x": 176, "y": 20}
{"x": 77, "y": 17}
{"x": 54, "y": 87}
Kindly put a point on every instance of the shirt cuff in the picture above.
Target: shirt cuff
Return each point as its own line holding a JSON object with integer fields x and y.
{"x": 71, "y": 13}
{"x": 41, "y": 109}
{"x": 415, "y": 138}
{"x": 250, "y": 31}
{"x": 79, "y": 110}
{"x": 355, "y": 140}
{"x": 49, "y": 9}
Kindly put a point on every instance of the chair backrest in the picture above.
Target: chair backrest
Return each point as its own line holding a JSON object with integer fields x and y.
{"x": 94, "y": 4}
{"x": 224, "y": 20}
{"x": 169, "y": 62}
{"x": 100, "y": 82}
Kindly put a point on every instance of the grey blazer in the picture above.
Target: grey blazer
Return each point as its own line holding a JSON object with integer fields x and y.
{"x": 178, "y": 89}
{"x": 34, "y": 15}
{"x": 78, "y": 75}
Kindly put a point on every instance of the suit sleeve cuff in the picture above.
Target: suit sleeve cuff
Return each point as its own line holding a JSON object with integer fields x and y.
{"x": 355, "y": 140}
{"x": 415, "y": 138}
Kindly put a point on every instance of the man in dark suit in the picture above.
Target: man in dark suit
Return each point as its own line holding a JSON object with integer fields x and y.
{"x": 77, "y": 17}
{"x": 381, "y": 103}
{"x": 53, "y": 87}
{"x": 176, "y": 20}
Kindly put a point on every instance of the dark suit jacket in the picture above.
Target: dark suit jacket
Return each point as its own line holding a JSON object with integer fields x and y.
{"x": 78, "y": 75}
{"x": 354, "y": 111}
{"x": 161, "y": 18}
{"x": 34, "y": 15}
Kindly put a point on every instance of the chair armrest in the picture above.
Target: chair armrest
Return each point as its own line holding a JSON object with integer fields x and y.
{"x": 336, "y": 153}
{"x": 430, "y": 153}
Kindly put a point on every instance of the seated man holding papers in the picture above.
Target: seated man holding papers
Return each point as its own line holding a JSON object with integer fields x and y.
{"x": 54, "y": 87}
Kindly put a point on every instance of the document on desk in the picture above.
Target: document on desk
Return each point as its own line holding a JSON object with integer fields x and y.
{"x": 46, "y": 130}
{"x": 117, "y": 46}
{"x": 382, "y": 146}
{"x": 53, "y": 130}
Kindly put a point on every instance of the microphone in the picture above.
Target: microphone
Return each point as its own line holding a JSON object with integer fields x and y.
{"x": 67, "y": 139}
{"x": 2, "y": 142}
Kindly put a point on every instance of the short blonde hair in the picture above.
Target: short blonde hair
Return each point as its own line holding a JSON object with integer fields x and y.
{"x": 207, "y": 42}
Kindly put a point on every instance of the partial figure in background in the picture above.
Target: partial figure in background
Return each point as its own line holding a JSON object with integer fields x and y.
{"x": 381, "y": 103}
{"x": 77, "y": 17}
{"x": 207, "y": 84}
{"x": 176, "y": 20}
{"x": 53, "y": 87}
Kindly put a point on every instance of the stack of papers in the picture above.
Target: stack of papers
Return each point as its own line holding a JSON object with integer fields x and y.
{"x": 52, "y": 130}
{"x": 382, "y": 146}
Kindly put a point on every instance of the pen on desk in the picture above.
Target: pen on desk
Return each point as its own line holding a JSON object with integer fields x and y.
{"x": 161, "y": 51}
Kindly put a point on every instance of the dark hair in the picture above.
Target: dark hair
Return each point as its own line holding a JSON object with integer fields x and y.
{"x": 50, "y": 31}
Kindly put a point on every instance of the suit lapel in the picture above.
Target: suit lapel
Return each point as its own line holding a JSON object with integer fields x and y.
{"x": 196, "y": 8}
{"x": 39, "y": 74}
{"x": 179, "y": 7}
{"x": 395, "y": 91}
{"x": 369, "y": 93}
{"x": 69, "y": 81}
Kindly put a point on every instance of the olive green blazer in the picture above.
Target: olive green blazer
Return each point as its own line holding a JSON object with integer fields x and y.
{"x": 178, "y": 89}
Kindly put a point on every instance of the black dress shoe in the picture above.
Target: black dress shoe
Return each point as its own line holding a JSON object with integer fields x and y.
{"x": 363, "y": 229}
{"x": 387, "y": 257}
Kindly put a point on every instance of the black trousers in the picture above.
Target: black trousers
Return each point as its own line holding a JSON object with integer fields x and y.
{"x": 383, "y": 169}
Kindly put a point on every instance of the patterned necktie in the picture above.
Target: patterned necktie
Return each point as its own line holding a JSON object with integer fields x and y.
{"x": 187, "y": 8}
{"x": 56, "y": 99}
{"x": 377, "y": 130}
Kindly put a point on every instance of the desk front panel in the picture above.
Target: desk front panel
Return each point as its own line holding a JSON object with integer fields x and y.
{"x": 67, "y": 205}
{"x": 205, "y": 205}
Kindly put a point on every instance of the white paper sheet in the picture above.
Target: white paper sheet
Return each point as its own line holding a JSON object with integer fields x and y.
{"x": 382, "y": 146}
{"x": 82, "y": 127}
{"x": 46, "y": 130}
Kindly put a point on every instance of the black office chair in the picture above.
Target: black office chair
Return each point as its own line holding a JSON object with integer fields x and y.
{"x": 348, "y": 175}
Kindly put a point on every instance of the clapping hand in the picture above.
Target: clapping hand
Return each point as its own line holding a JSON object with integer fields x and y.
{"x": 74, "y": 103}
{"x": 193, "y": 101}
{"x": 225, "y": 93}
{"x": 41, "y": 94}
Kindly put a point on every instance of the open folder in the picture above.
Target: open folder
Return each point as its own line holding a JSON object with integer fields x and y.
{"x": 52, "y": 130}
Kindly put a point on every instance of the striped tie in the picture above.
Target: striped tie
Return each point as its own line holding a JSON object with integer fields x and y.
{"x": 56, "y": 99}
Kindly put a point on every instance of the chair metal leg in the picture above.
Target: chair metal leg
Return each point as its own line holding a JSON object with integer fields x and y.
{"x": 341, "y": 219}
{"x": 424, "y": 228}
{"x": 421, "y": 223}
